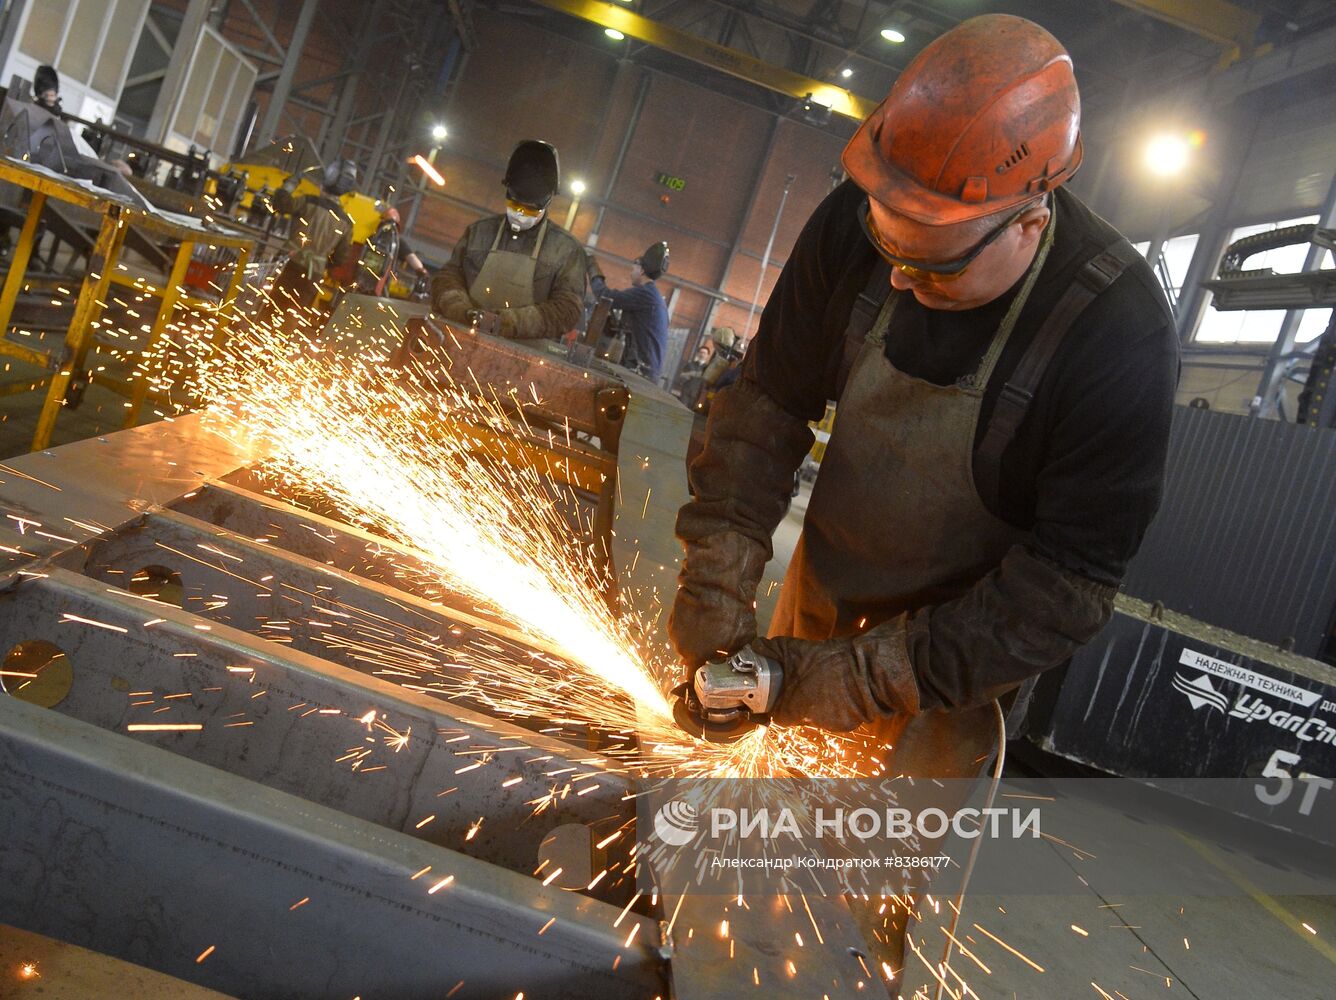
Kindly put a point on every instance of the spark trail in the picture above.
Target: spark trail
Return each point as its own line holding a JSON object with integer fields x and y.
{"x": 410, "y": 464}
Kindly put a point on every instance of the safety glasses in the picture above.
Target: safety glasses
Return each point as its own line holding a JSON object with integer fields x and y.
{"x": 519, "y": 208}
{"x": 933, "y": 271}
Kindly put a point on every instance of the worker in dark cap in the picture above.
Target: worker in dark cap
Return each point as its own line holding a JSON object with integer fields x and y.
{"x": 644, "y": 315}
{"x": 517, "y": 274}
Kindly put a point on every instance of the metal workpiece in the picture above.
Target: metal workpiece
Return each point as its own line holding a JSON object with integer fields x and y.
{"x": 168, "y": 863}
{"x": 836, "y": 962}
{"x": 526, "y": 379}
{"x": 260, "y": 588}
{"x": 59, "y": 498}
{"x": 239, "y": 790}
{"x": 279, "y": 717}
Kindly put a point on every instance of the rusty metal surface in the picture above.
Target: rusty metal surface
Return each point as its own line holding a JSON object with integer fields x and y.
{"x": 525, "y": 378}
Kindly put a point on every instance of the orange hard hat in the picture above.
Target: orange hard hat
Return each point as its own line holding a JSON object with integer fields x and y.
{"x": 984, "y": 119}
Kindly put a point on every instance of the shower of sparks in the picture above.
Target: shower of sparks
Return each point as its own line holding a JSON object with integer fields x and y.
{"x": 421, "y": 465}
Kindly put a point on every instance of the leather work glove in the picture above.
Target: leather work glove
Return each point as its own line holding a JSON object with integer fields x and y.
{"x": 841, "y": 684}
{"x": 741, "y": 480}
{"x": 485, "y": 321}
{"x": 714, "y": 614}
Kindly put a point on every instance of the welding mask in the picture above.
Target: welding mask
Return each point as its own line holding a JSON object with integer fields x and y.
{"x": 531, "y": 176}
{"x": 340, "y": 177}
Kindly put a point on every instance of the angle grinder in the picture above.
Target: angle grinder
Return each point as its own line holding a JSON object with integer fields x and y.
{"x": 725, "y": 700}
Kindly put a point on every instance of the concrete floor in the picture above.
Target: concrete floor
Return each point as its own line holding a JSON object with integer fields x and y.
{"x": 33, "y": 966}
{"x": 1092, "y": 943}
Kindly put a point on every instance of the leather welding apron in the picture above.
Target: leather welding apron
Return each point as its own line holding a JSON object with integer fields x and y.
{"x": 506, "y": 278}
{"x": 895, "y": 523}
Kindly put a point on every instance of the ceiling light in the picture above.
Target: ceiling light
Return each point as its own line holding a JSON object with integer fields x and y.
{"x": 577, "y": 187}
{"x": 614, "y": 34}
{"x": 1166, "y": 155}
{"x": 893, "y": 35}
{"x": 846, "y": 72}
{"x": 439, "y": 132}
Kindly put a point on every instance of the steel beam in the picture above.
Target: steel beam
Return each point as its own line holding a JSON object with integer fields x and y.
{"x": 9, "y": 28}
{"x": 283, "y": 85}
{"x": 1222, "y": 22}
{"x": 700, "y": 50}
{"x": 358, "y": 57}
{"x": 283, "y": 719}
{"x": 178, "y": 66}
{"x": 168, "y": 863}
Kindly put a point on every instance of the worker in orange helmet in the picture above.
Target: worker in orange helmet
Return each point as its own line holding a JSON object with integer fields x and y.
{"x": 1004, "y": 366}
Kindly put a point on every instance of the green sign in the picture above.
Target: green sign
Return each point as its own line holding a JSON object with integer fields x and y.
{"x": 669, "y": 181}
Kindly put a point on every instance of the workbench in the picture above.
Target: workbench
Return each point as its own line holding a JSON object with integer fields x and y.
{"x": 117, "y": 216}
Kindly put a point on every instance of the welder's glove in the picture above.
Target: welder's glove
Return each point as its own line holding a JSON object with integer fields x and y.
{"x": 741, "y": 482}
{"x": 486, "y": 322}
{"x": 714, "y": 614}
{"x": 841, "y": 684}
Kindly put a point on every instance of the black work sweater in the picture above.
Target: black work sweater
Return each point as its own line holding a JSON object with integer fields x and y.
{"x": 1086, "y": 468}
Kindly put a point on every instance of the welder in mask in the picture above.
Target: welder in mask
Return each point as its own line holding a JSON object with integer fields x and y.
{"x": 517, "y": 274}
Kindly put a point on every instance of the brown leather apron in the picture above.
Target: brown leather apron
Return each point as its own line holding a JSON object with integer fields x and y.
{"x": 506, "y": 278}
{"x": 895, "y": 523}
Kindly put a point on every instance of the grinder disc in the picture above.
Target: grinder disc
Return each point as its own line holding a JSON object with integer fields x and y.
{"x": 707, "y": 729}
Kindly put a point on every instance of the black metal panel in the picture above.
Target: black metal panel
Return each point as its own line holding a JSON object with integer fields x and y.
{"x": 1246, "y": 536}
{"x": 1145, "y": 701}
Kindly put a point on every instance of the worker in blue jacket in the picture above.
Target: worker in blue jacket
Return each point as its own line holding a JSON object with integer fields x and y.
{"x": 644, "y": 314}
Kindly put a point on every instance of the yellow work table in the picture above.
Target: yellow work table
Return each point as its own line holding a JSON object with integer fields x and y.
{"x": 118, "y": 214}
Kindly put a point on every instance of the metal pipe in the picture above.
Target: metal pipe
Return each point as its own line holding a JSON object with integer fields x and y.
{"x": 765, "y": 259}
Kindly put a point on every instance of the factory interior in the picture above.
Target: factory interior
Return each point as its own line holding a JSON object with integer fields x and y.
{"x": 348, "y": 558}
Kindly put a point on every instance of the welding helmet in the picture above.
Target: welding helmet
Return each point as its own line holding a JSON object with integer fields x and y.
{"x": 339, "y": 178}
{"x": 654, "y": 261}
{"x": 532, "y": 176}
{"x": 986, "y": 118}
{"x": 43, "y": 80}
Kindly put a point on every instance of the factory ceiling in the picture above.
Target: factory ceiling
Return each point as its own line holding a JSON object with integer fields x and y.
{"x": 1124, "y": 50}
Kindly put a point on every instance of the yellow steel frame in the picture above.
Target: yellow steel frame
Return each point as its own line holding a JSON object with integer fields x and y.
{"x": 720, "y": 57}
{"x": 1220, "y": 21}
{"x": 117, "y": 217}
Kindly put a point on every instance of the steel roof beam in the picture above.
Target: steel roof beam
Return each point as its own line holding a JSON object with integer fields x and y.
{"x": 730, "y": 61}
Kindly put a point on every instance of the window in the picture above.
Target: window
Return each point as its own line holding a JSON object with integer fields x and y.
{"x": 1177, "y": 254}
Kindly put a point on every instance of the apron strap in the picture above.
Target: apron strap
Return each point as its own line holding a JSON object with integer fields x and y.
{"x": 499, "y": 230}
{"x": 538, "y": 243}
{"x": 1013, "y": 402}
{"x": 866, "y": 308}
